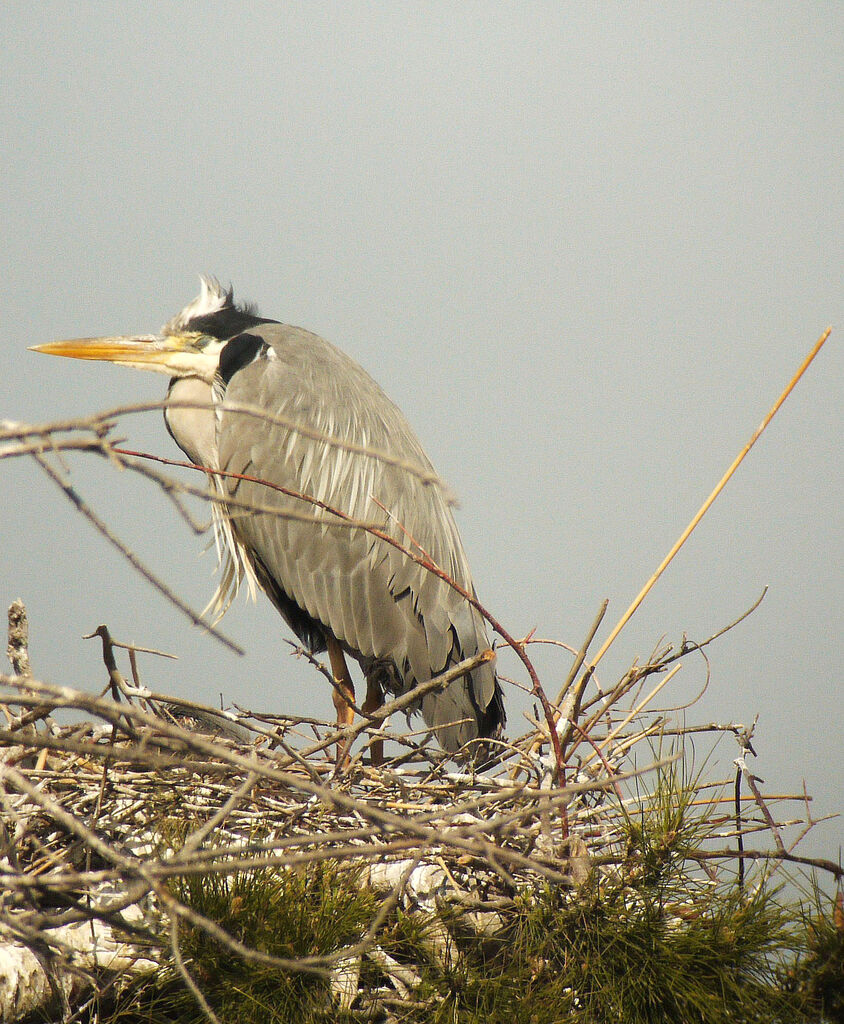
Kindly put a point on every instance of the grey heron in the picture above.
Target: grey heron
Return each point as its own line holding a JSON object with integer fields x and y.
{"x": 341, "y": 591}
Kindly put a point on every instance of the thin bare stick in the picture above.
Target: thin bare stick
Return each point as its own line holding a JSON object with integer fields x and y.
{"x": 130, "y": 555}
{"x": 581, "y": 654}
{"x": 101, "y": 423}
{"x": 574, "y": 701}
{"x": 739, "y": 824}
{"x": 192, "y": 986}
{"x": 684, "y": 536}
{"x": 637, "y": 710}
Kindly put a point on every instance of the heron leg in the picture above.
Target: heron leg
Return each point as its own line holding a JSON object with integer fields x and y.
{"x": 343, "y": 694}
{"x": 374, "y": 700}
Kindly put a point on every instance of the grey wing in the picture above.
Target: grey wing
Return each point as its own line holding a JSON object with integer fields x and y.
{"x": 375, "y": 600}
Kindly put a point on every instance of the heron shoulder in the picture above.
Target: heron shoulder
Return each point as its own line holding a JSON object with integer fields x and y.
{"x": 290, "y": 371}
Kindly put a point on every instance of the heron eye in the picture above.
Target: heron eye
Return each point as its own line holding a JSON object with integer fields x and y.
{"x": 240, "y": 351}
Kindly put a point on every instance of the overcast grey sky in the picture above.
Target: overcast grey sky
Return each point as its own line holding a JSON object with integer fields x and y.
{"x": 582, "y": 246}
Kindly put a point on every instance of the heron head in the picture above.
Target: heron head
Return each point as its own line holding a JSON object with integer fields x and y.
{"x": 189, "y": 345}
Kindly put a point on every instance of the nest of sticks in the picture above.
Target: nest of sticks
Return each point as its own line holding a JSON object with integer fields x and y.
{"x": 117, "y": 805}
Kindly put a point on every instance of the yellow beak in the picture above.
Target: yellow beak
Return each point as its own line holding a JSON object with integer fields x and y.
{"x": 178, "y": 355}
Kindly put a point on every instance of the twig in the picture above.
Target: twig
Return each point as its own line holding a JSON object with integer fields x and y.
{"x": 739, "y": 826}
{"x": 684, "y": 536}
{"x": 103, "y": 422}
{"x": 65, "y": 486}
{"x": 192, "y": 986}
